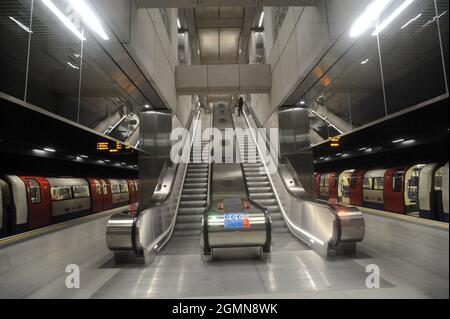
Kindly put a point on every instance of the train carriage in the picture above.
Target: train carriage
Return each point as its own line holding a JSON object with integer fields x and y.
{"x": 101, "y": 197}
{"x": 394, "y": 189}
{"x": 344, "y": 186}
{"x": 356, "y": 182}
{"x": 427, "y": 194}
{"x": 71, "y": 198}
{"x": 133, "y": 190}
{"x": 445, "y": 193}
{"x": 5, "y": 207}
{"x": 120, "y": 192}
{"x": 373, "y": 189}
{"x": 334, "y": 186}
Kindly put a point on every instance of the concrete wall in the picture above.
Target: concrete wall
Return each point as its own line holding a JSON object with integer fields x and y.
{"x": 152, "y": 46}
{"x": 306, "y": 35}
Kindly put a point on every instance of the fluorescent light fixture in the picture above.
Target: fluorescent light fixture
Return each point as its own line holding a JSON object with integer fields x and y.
{"x": 362, "y": 149}
{"x": 73, "y": 66}
{"x": 398, "y": 141}
{"x": 261, "y": 20}
{"x": 20, "y": 24}
{"x": 338, "y": 154}
{"x": 392, "y": 17}
{"x": 89, "y": 18}
{"x": 302, "y": 102}
{"x": 434, "y": 19}
{"x": 48, "y": 149}
{"x": 146, "y": 106}
{"x": 411, "y": 21}
{"x": 198, "y": 51}
{"x": 365, "y": 61}
{"x": 412, "y": 141}
{"x": 368, "y": 17}
{"x": 178, "y": 23}
{"x": 322, "y": 158}
{"x": 84, "y": 156}
{"x": 107, "y": 161}
{"x": 38, "y": 151}
{"x": 63, "y": 19}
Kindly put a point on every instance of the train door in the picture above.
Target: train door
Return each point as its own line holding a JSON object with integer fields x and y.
{"x": 356, "y": 181}
{"x": 393, "y": 190}
{"x": 344, "y": 187}
{"x": 107, "y": 194}
{"x": 324, "y": 188}
{"x": 316, "y": 185}
{"x": 445, "y": 194}
{"x": 438, "y": 193}
{"x": 39, "y": 202}
{"x": 411, "y": 189}
{"x": 334, "y": 183}
{"x": 5, "y": 208}
{"x": 132, "y": 190}
{"x": 427, "y": 208}
{"x": 96, "y": 195}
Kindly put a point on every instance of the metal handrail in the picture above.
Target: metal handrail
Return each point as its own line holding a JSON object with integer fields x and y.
{"x": 162, "y": 239}
{"x": 326, "y": 230}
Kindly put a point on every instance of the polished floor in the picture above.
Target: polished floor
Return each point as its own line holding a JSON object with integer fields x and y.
{"x": 413, "y": 261}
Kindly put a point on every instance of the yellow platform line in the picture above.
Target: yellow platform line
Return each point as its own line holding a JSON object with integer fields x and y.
{"x": 59, "y": 226}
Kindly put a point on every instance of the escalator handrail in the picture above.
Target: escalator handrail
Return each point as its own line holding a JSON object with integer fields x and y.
{"x": 290, "y": 223}
{"x": 162, "y": 238}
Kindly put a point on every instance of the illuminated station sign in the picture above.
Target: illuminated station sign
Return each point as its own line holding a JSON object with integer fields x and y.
{"x": 113, "y": 147}
{"x": 335, "y": 142}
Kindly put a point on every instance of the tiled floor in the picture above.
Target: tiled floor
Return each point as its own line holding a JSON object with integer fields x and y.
{"x": 413, "y": 261}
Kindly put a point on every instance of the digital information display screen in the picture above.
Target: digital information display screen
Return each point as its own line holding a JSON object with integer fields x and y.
{"x": 113, "y": 147}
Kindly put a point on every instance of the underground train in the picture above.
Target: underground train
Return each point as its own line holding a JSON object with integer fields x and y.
{"x": 421, "y": 188}
{"x": 32, "y": 202}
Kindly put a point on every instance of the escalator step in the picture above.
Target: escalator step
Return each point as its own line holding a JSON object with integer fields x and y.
{"x": 193, "y": 203}
{"x": 191, "y": 210}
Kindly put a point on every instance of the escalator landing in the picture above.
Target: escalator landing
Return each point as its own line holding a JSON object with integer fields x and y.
{"x": 292, "y": 268}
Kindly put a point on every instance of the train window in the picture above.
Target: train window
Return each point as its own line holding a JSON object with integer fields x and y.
{"x": 61, "y": 193}
{"x": 438, "y": 179}
{"x": 115, "y": 188}
{"x": 105, "y": 188}
{"x": 35, "y": 191}
{"x": 367, "y": 183}
{"x": 378, "y": 183}
{"x": 80, "y": 191}
{"x": 98, "y": 188}
{"x": 124, "y": 188}
{"x": 136, "y": 186}
{"x": 397, "y": 181}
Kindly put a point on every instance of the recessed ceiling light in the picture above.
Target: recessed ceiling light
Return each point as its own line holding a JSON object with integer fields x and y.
{"x": 20, "y": 24}
{"x": 48, "y": 149}
{"x": 398, "y": 141}
{"x": 63, "y": 19}
{"x": 383, "y": 25}
{"x": 89, "y": 18}
{"x": 368, "y": 17}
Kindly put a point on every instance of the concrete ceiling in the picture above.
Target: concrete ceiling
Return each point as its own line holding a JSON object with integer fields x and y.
{"x": 218, "y": 35}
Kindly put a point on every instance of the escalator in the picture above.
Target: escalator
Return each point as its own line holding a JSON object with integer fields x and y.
{"x": 194, "y": 197}
{"x": 256, "y": 178}
{"x": 231, "y": 205}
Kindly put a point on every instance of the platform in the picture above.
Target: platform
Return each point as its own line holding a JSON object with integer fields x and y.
{"x": 293, "y": 271}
